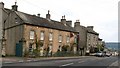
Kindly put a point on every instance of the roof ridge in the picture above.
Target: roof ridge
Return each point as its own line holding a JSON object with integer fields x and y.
{"x": 43, "y": 22}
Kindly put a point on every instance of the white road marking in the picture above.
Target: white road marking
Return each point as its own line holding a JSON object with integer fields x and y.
{"x": 63, "y": 60}
{"x": 67, "y": 64}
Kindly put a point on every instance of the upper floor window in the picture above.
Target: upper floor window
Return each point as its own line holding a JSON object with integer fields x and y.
{"x": 32, "y": 34}
{"x": 68, "y": 39}
{"x": 42, "y": 35}
{"x": 60, "y": 38}
{"x": 50, "y": 36}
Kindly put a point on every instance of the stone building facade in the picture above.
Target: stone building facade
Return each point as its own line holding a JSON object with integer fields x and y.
{"x": 92, "y": 39}
{"x": 33, "y": 29}
{"x": 88, "y": 38}
{"x": 82, "y": 37}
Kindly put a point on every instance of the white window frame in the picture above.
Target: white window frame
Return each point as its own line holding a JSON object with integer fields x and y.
{"x": 68, "y": 39}
{"x": 60, "y": 38}
{"x": 50, "y": 36}
{"x": 60, "y": 47}
{"x": 32, "y": 34}
{"x": 75, "y": 39}
{"x": 42, "y": 35}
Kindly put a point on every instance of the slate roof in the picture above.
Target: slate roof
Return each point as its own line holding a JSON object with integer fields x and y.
{"x": 92, "y": 31}
{"x": 43, "y": 22}
{"x": 89, "y": 30}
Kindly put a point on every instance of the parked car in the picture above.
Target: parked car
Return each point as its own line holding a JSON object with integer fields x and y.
{"x": 100, "y": 54}
{"x": 108, "y": 54}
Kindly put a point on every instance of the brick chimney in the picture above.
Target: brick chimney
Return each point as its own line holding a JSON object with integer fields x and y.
{"x": 63, "y": 20}
{"x": 77, "y": 23}
{"x": 1, "y": 5}
{"x": 90, "y": 27}
{"x": 48, "y": 15}
{"x": 14, "y": 7}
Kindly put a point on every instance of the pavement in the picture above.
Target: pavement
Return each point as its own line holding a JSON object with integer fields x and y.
{"x": 7, "y": 60}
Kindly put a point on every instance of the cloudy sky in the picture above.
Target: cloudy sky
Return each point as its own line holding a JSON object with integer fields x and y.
{"x": 102, "y": 14}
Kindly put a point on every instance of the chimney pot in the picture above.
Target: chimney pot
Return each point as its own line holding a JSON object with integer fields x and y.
{"x": 63, "y": 20}
{"x": 38, "y": 15}
{"x": 48, "y": 15}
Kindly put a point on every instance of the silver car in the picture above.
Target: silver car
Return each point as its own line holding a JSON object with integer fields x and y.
{"x": 100, "y": 54}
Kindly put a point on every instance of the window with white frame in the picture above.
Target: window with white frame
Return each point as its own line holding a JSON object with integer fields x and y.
{"x": 32, "y": 34}
{"x": 60, "y": 38}
{"x": 68, "y": 39}
{"x": 41, "y": 35}
{"x": 50, "y": 36}
{"x": 75, "y": 40}
{"x": 30, "y": 47}
{"x": 60, "y": 47}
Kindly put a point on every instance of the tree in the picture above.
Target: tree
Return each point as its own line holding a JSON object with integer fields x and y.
{"x": 65, "y": 48}
{"x": 38, "y": 45}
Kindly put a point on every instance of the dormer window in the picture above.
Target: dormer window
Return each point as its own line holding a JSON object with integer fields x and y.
{"x": 16, "y": 20}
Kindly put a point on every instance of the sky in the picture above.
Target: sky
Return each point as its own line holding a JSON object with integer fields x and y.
{"x": 102, "y": 14}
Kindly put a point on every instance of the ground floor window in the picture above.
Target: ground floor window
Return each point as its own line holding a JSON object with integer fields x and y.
{"x": 30, "y": 47}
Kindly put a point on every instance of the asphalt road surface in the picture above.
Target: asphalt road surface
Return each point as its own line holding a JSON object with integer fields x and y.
{"x": 97, "y": 62}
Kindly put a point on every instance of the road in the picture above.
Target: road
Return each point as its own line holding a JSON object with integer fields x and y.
{"x": 70, "y": 63}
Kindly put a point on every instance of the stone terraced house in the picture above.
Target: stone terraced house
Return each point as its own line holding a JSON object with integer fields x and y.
{"x": 28, "y": 30}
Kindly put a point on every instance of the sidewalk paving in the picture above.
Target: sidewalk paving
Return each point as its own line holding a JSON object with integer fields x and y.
{"x": 6, "y": 60}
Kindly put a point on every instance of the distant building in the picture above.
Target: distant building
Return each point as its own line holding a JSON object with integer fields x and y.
{"x": 32, "y": 29}
{"x": 92, "y": 39}
{"x": 88, "y": 39}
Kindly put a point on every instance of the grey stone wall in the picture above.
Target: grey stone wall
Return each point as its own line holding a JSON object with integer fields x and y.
{"x": 13, "y": 32}
{"x": 82, "y": 37}
{"x": 92, "y": 40}
{"x": 1, "y": 24}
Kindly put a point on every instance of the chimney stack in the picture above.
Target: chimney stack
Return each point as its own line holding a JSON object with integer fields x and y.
{"x": 90, "y": 27}
{"x": 1, "y": 5}
{"x": 48, "y": 15}
{"x": 69, "y": 23}
{"x": 77, "y": 23}
{"x": 14, "y": 7}
{"x": 63, "y": 20}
